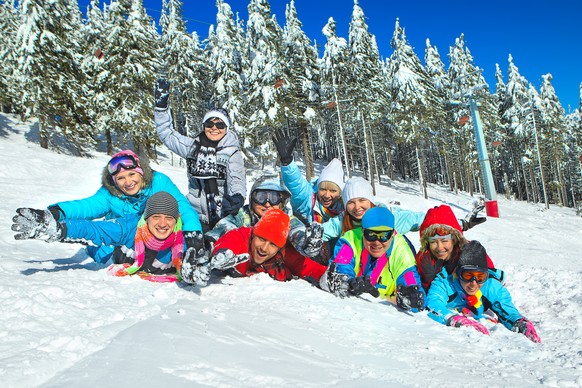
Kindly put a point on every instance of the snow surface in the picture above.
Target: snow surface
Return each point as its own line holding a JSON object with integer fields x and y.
{"x": 65, "y": 323}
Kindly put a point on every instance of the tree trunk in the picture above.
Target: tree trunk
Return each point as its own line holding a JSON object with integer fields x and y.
{"x": 307, "y": 154}
{"x": 42, "y": 135}
{"x": 419, "y": 160}
{"x": 369, "y": 156}
{"x": 109, "y": 142}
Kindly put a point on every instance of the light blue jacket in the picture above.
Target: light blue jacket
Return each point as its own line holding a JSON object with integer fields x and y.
{"x": 446, "y": 298}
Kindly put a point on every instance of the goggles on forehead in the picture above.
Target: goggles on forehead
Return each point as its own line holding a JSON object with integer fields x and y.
{"x": 470, "y": 274}
{"x": 261, "y": 197}
{"x": 439, "y": 237}
{"x": 126, "y": 162}
{"x": 218, "y": 124}
{"x": 382, "y": 236}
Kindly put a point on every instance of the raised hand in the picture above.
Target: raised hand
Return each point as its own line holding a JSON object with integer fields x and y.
{"x": 161, "y": 94}
{"x": 36, "y": 224}
{"x": 472, "y": 219}
{"x": 285, "y": 144}
{"x": 409, "y": 297}
{"x": 461, "y": 320}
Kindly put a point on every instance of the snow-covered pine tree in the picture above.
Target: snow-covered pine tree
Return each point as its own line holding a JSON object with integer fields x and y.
{"x": 181, "y": 59}
{"x": 366, "y": 90}
{"x": 49, "y": 74}
{"x": 333, "y": 74}
{"x": 228, "y": 58}
{"x": 263, "y": 109}
{"x": 9, "y": 91}
{"x": 300, "y": 87}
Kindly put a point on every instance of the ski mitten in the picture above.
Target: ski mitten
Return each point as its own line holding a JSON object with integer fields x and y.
{"x": 161, "y": 94}
{"x": 409, "y": 297}
{"x": 313, "y": 240}
{"x": 36, "y": 224}
{"x": 225, "y": 259}
{"x": 362, "y": 284}
{"x": 335, "y": 282}
{"x": 285, "y": 144}
{"x": 461, "y": 320}
{"x": 525, "y": 327}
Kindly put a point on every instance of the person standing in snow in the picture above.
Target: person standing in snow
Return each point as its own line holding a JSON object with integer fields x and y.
{"x": 260, "y": 249}
{"x": 441, "y": 241}
{"x": 316, "y": 201}
{"x": 215, "y": 166}
{"x": 461, "y": 298}
{"x": 127, "y": 184}
{"x": 267, "y": 192}
{"x": 151, "y": 244}
{"x": 375, "y": 259}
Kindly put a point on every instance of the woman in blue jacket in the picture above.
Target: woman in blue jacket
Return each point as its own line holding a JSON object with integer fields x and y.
{"x": 127, "y": 183}
{"x": 461, "y": 299}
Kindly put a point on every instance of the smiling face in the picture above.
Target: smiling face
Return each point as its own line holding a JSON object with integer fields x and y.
{"x": 328, "y": 193}
{"x": 470, "y": 287}
{"x": 161, "y": 225}
{"x": 357, "y": 207}
{"x": 262, "y": 249}
{"x": 377, "y": 248}
{"x": 441, "y": 248}
{"x": 129, "y": 182}
{"x": 213, "y": 133}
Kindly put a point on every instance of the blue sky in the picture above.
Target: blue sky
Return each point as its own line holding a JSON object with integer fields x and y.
{"x": 542, "y": 36}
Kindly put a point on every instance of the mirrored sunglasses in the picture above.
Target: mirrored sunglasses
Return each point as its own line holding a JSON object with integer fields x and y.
{"x": 383, "y": 236}
{"x": 469, "y": 275}
{"x": 218, "y": 124}
{"x": 126, "y": 162}
{"x": 261, "y": 197}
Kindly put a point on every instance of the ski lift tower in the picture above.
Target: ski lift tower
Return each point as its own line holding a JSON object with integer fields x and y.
{"x": 491, "y": 208}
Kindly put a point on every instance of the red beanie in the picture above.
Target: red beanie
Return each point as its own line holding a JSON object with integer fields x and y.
{"x": 442, "y": 215}
{"x": 273, "y": 226}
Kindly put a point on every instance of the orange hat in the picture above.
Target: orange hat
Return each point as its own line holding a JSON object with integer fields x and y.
{"x": 273, "y": 226}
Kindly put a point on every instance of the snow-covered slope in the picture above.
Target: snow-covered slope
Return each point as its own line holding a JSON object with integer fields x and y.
{"x": 65, "y": 322}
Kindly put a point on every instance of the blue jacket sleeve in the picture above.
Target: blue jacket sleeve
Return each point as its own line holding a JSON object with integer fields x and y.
{"x": 301, "y": 190}
{"x": 406, "y": 220}
{"x": 501, "y": 302}
{"x": 113, "y": 232}
{"x": 190, "y": 220}
{"x": 332, "y": 228}
{"x": 96, "y": 206}
{"x": 438, "y": 297}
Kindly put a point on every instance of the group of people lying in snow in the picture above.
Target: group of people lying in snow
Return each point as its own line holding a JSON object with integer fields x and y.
{"x": 338, "y": 237}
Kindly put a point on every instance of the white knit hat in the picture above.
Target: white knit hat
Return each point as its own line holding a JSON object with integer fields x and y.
{"x": 333, "y": 172}
{"x": 357, "y": 188}
{"x": 219, "y": 114}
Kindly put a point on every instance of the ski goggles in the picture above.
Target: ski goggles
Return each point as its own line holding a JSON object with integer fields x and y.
{"x": 441, "y": 233}
{"x": 218, "y": 124}
{"x": 382, "y": 236}
{"x": 469, "y": 275}
{"x": 261, "y": 197}
{"x": 126, "y": 162}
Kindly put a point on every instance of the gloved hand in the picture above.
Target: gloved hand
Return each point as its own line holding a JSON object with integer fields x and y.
{"x": 335, "y": 282}
{"x": 285, "y": 144}
{"x": 231, "y": 204}
{"x": 525, "y": 327}
{"x": 225, "y": 259}
{"x": 472, "y": 219}
{"x": 361, "y": 284}
{"x": 195, "y": 263}
{"x": 313, "y": 240}
{"x": 161, "y": 94}
{"x": 36, "y": 224}
{"x": 409, "y": 297}
{"x": 461, "y": 320}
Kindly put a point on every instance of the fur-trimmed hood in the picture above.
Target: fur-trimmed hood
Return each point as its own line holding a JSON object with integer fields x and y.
{"x": 107, "y": 179}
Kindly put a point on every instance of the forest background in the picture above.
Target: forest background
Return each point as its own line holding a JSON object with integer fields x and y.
{"x": 87, "y": 78}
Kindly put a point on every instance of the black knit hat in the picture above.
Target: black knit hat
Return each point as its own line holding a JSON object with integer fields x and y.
{"x": 161, "y": 203}
{"x": 473, "y": 256}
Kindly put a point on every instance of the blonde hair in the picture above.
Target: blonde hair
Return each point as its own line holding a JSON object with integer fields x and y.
{"x": 329, "y": 185}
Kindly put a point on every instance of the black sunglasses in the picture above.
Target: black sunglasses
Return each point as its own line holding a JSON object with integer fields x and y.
{"x": 218, "y": 124}
{"x": 261, "y": 197}
{"x": 383, "y": 236}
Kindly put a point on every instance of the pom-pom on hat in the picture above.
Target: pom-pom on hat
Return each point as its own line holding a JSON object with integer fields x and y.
{"x": 333, "y": 172}
{"x": 379, "y": 219}
{"x": 473, "y": 256}
{"x": 219, "y": 113}
{"x": 124, "y": 160}
{"x": 440, "y": 215}
{"x": 161, "y": 202}
{"x": 273, "y": 226}
{"x": 357, "y": 187}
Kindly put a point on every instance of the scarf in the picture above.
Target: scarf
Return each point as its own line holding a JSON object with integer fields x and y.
{"x": 145, "y": 238}
{"x": 474, "y": 304}
{"x": 325, "y": 213}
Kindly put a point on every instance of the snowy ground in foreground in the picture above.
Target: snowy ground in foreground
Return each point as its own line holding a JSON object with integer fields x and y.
{"x": 65, "y": 322}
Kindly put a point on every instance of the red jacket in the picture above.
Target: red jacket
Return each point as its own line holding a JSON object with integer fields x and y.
{"x": 286, "y": 264}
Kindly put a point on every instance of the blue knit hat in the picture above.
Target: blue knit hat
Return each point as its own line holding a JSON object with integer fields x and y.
{"x": 378, "y": 218}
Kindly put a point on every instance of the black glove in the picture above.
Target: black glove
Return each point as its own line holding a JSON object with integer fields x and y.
{"x": 313, "y": 240}
{"x": 335, "y": 282}
{"x": 361, "y": 284}
{"x": 56, "y": 211}
{"x": 161, "y": 94}
{"x": 36, "y": 224}
{"x": 285, "y": 144}
{"x": 472, "y": 219}
{"x": 409, "y": 297}
{"x": 195, "y": 263}
{"x": 231, "y": 204}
